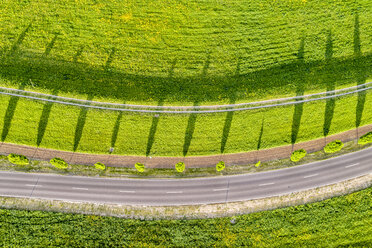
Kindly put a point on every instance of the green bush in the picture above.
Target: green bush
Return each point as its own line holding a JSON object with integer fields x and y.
{"x": 18, "y": 159}
{"x": 180, "y": 166}
{"x": 333, "y": 146}
{"x": 298, "y": 155}
{"x": 365, "y": 139}
{"x": 220, "y": 166}
{"x": 59, "y": 163}
{"x": 140, "y": 167}
{"x": 258, "y": 164}
{"x": 100, "y": 166}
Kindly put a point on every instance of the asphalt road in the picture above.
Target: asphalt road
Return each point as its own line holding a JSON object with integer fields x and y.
{"x": 161, "y": 192}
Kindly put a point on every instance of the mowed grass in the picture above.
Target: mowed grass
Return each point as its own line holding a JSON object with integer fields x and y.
{"x": 95, "y": 131}
{"x": 338, "y": 222}
{"x": 184, "y": 52}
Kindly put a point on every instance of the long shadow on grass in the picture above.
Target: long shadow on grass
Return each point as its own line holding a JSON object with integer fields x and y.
{"x": 9, "y": 114}
{"x": 44, "y": 118}
{"x": 51, "y": 72}
{"x": 110, "y": 58}
{"x": 330, "y": 81}
{"x": 115, "y": 131}
{"x": 360, "y": 73}
{"x": 300, "y": 89}
{"x": 80, "y": 124}
{"x": 259, "y": 142}
{"x": 50, "y": 46}
{"x": 153, "y": 128}
{"x": 20, "y": 39}
{"x": 189, "y": 132}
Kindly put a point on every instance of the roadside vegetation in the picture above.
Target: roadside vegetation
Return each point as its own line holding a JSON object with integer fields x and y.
{"x": 341, "y": 221}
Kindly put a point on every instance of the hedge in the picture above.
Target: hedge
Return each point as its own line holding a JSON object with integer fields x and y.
{"x": 298, "y": 155}
{"x": 59, "y": 163}
{"x": 365, "y": 139}
{"x": 100, "y": 166}
{"x": 258, "y": 164}
{"x": 333, "y": 146}
{"x": 18, "y": 159}
{"x": 220, "y": 166}
{"x": 140, "y": 167}
{"x": 180, "y": 166}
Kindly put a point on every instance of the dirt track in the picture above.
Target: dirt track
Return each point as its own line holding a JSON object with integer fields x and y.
{"x": 192, "y": 161}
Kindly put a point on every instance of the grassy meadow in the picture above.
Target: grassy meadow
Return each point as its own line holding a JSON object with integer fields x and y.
{"x": 95, "y": 131}
{"x": 184, "y": 52}
{"x": 338, "y": 222}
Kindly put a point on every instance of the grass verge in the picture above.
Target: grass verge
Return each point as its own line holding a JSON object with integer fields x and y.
{"x": 340, "y": 221}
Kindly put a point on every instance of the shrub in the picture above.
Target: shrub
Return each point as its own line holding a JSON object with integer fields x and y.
{"x": 18, "y": 159}
{"x": 140, "y": 167}
{"x": 220, "y": 166}
{"x": 180, "y": 166}
{"x": 333, "y": 146}
{"x": 258, "y": 164}
{"x": 100, "y": 166}
{"x": 298, "y": 155}
{"x": 59, "y": 163}
{"x": 365, "y": 139}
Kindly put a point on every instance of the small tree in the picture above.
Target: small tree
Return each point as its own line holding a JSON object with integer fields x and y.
{"x": 18, "y": 159}
{"x": 59, "y": 163}
{"x": 100, "y": 166}
{"x": 258, "y": 164}
{"x": 180, "y": 166}
{"x": 220, "y": 166}
{"x": 140, "y": 167}
{"x": 298, "y": 155}
{"x": 333, "y": 146}
{"x": 365, "y": 139}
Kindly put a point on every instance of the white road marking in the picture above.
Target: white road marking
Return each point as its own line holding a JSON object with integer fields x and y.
{"x": 313, "y": 175}
{"x": 79, "y": 188}
{"x": 175, "y": 192}
{"x": 220, "y": 189}
{"x": 348, "y": 166}
{"x": 33, "y": 185}
{"x": 265, "y": 184}
{"x": 127, "y": 191}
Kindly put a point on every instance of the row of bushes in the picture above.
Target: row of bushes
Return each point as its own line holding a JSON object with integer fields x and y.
{"x": 296, "y": 156}
{"x": 331, "y": 147}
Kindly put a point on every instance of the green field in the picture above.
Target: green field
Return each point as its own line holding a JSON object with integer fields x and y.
{"x": 184, "y": 51}
{"x": 342, "y": 221}
{"x": 87, "y": 130}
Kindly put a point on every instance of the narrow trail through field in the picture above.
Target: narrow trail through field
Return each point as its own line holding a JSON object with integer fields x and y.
{"x": 186, "y": 109}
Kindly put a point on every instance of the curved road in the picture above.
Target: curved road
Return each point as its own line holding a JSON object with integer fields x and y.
{"x": 162, "y": 192}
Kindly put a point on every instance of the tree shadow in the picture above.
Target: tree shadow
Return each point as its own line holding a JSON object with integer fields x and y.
{"x": 78, "y": 54}
{"x": 259, "y": 142}
{"x": 20, "y": 39}
{"x": 110, "y": 58}
{"x": 80, "y": 124}
{"x": 300, "y": 90}
{"x": 360, "y": 72}
{"x": 50, "y": 46}
{"x": 9, "y": 114}
{"x": 229, "y": 115}
{"x": 115, "y": 131}
{"x": 330, "y": 81}
{"x": 154, "y": 126}
{"x": 44, "y": 118}
{"x": 189, "y": 132}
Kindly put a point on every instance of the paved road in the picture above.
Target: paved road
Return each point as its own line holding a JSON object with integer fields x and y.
{"x": 187, "y": 191}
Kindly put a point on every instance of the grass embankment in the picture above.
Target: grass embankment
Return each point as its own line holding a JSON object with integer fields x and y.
{"x": 87, "y": 130}
{"x": 182, "y": 52}
{"x": 341, "y": 221}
